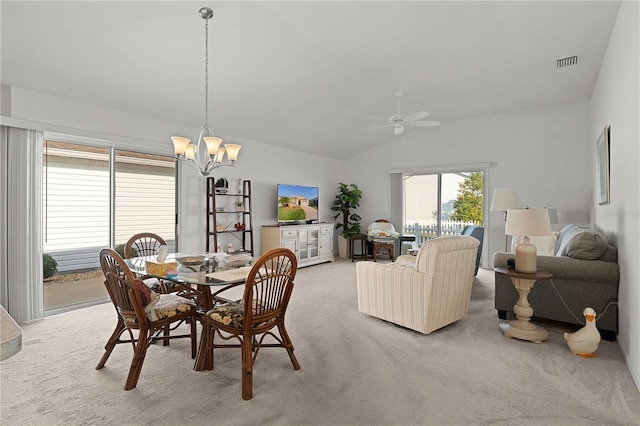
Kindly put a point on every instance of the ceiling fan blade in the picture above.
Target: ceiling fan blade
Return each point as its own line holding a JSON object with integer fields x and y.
{"x": 376, "y": 127}
{"x": 379, "y": 118}
{"x": 423, "y": 123}
{"x": 417, "y": 115}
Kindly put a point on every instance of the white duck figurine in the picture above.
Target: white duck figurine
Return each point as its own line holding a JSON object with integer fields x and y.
{"x": 585, "y": 341}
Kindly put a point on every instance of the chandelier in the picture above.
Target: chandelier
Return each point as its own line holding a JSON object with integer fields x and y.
{"x": 213, "y": 157}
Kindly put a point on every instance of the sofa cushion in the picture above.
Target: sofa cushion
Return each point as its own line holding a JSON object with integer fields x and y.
{"x": 583, "y": 243}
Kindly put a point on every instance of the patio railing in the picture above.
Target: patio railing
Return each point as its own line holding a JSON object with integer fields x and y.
{"x": 427, "y": 230}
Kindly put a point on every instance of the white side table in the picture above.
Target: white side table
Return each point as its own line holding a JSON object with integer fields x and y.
{"x": 523, "y": 328}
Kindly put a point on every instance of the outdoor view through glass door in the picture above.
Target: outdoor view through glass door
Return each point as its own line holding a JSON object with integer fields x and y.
{"x": 442, "y": 204}
{"x": 82, "y": 215}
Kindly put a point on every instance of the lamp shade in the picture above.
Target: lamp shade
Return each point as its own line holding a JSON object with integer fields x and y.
{"x": 528, "y": 222}
{"x": 213, "y": 144}
{"x": 180, "y": 144}
{"x": 505, "y": 199}
{"x": 232, "y": 151}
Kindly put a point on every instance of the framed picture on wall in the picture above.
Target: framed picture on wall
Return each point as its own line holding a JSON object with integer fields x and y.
{"x": 602, "y": 149}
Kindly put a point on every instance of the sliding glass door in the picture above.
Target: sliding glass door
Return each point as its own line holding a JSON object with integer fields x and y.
{"x": 96, "y": 197}
{"x": 441, "y": 204}
{"x": 76, "y": 199}
{"x": 145, "y": 196}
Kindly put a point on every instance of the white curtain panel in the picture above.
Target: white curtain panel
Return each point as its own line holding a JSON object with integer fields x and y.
{"x": 397, "y": 203}
{"x": 21, "y": 289}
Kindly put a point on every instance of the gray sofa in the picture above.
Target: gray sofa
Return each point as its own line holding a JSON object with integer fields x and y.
{"x": 585, "y": 273}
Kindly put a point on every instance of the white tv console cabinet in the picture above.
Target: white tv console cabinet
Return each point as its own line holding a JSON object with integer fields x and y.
{"x": 312, "y": 243}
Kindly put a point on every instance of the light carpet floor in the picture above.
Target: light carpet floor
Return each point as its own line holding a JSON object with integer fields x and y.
{"x": 355, "y": 370}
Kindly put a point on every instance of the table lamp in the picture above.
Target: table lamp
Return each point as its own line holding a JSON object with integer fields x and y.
{"x": 529, "y": 223}
{"x": 503, "y": 200}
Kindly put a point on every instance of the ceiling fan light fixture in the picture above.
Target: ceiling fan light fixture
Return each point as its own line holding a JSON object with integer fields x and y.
{"x": 398, "y": 121}
{"x": 191, "y": 152}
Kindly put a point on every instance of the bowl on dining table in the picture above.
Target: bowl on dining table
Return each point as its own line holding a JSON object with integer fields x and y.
{"x": 191, "y": 260}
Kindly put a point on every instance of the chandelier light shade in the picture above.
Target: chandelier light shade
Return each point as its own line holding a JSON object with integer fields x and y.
{"x": 206, "y": 152}
{"x": 528, "y": 223}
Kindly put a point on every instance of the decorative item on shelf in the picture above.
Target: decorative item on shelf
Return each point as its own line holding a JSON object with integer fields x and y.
{"x": 220, "y": 209}
{"x": 585, "y": 341}
{"x": 222, "y": 185}
{"x": 191, "y": 152}
{"x": 218, "y": 249}
{"x": 503, "y": 200}
{"x": 239, "y": 226}
{"x": 230, "y": 248}
{"x": 528, "y": 223}
{"x": 220, "y": 227}
{"x": 239, "y": 206}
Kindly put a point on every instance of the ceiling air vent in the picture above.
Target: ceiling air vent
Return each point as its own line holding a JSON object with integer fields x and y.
{"x": 568, "y": 61}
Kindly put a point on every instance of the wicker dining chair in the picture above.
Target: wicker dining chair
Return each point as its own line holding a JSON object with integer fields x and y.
{"x": 143, "y": 244}
{"x": 128, "y": 296}
{"x": 147, "y": 244}
{"x": 254, "y": 319}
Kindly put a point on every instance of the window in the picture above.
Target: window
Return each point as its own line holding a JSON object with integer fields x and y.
{"x": 96, "y": 197}
{"x": 145, "y": 196}
{"x": 441, "y": 204}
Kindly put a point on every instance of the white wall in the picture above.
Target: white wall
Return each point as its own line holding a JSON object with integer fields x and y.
{"x": 615, "y": 101}
{"x": 263, "y": 164}
{"x": 539, "y": 152}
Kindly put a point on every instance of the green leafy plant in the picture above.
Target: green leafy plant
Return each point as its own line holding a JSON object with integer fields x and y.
{"x": 347, "y": 199}
{"x": 49, "y": 266}
{"x": 120, "y": 250}
{"x": 467, "y": 207}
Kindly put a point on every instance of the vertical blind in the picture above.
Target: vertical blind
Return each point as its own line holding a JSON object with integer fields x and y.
{"x": 21, "y": 291}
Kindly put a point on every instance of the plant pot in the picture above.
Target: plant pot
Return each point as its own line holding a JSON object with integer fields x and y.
{"x": 343, "y": 246}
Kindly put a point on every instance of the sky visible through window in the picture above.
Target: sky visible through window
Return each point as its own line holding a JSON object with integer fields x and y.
{"x": 421, "y": 195}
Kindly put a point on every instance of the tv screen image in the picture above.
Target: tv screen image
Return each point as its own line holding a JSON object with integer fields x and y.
{"x": 297, "y": 203}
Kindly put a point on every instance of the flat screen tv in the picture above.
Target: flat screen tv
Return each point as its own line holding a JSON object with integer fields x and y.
{"x": 297, "y": 204}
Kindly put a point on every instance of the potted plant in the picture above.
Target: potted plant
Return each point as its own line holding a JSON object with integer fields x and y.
{"x": 347, "y": 199}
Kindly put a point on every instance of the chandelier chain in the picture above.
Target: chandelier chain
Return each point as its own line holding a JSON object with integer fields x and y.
{"x": 206, "y": 152}
{"x": 206, "y": 71}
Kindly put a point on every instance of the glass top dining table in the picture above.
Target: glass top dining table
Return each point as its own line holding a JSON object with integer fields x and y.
{"x": 209, "y": 274}
{"x": 212, "y": 275}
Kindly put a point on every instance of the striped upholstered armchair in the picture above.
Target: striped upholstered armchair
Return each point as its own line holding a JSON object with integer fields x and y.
{"x": 424, "y": 295}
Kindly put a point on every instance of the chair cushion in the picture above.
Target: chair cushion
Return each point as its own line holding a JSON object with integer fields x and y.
{"x": 381, "y": 230}
{"x": 144, "y": 291}
{"x": 169, "y": 305}
{"x": 231, "y": 313}
{"x": 153, "y": 284}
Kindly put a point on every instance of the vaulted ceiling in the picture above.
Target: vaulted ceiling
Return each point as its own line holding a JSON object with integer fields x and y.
{"x": 306, "y": 75}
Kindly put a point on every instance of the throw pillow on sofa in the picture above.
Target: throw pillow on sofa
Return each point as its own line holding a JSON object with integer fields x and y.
{"x": 581, "y": 243}
{"x": 544, "y": 245}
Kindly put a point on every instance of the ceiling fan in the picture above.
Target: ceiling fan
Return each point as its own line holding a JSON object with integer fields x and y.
{"x": 399, "y": 121}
